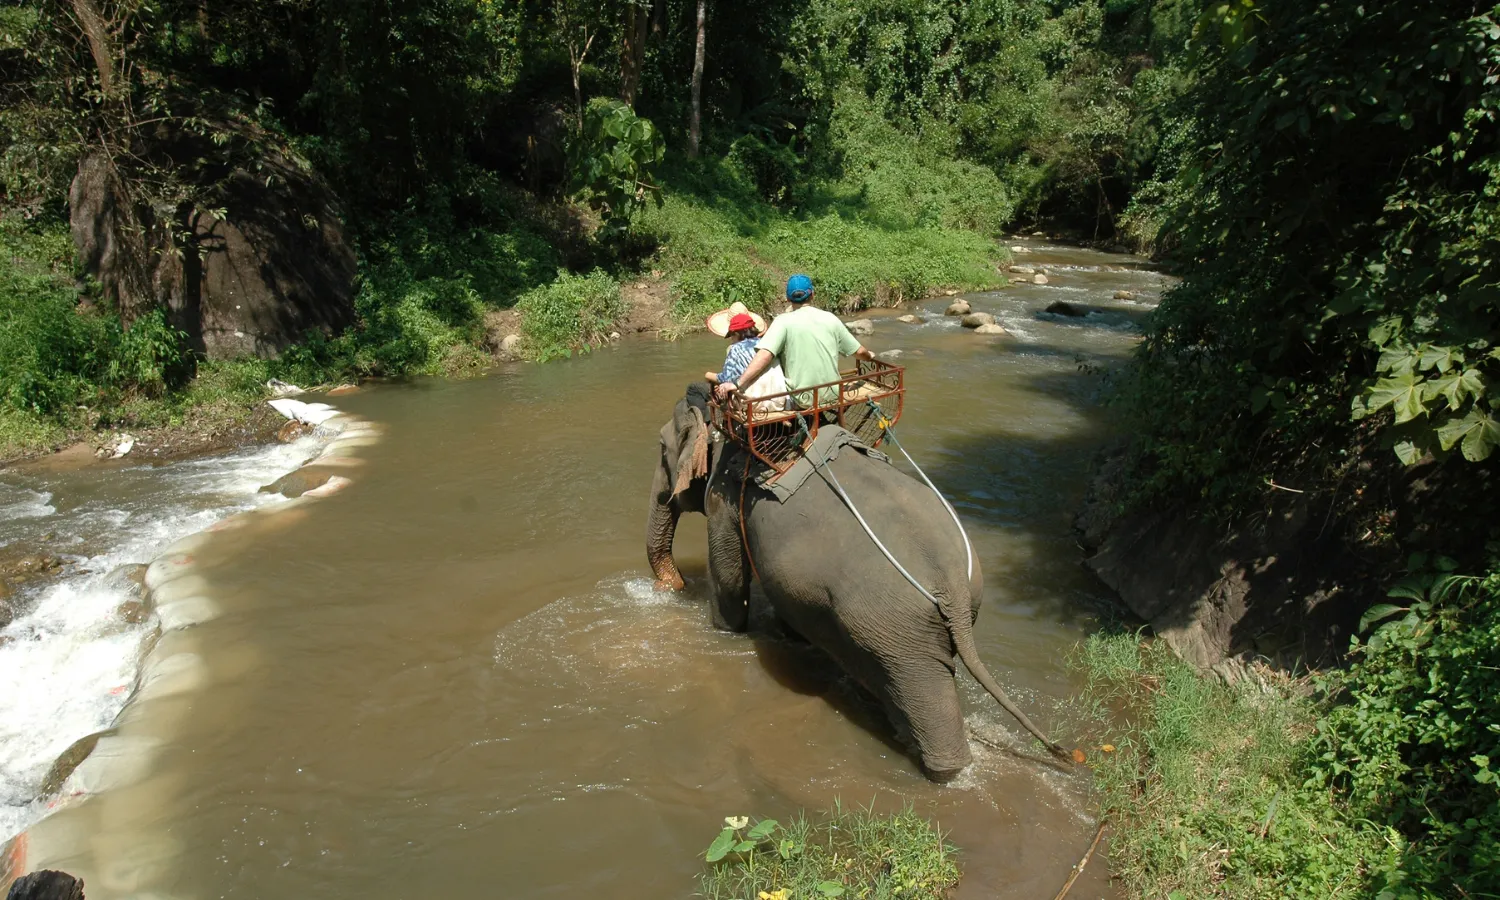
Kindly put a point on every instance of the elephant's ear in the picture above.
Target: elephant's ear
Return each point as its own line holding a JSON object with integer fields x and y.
{"x": 692, "y": 450}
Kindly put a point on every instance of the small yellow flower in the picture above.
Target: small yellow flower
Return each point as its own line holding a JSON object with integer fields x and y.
{"x": 1108, "y": 748}
{"x": 778, "y": 894}
{"x": 736, "y": 822}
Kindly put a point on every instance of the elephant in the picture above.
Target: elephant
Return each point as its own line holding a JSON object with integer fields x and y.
{"x": 828, "y": 581}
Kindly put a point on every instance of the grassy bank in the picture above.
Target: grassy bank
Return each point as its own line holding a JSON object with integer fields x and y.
{"x": 1328, "y": 786}
{"x": 1205, "y": 783}
{"x": 844, "y": 853}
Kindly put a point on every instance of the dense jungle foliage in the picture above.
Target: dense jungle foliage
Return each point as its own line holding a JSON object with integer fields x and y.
{"x": 482, "y": 149}
{"x": 1330, "y": 194}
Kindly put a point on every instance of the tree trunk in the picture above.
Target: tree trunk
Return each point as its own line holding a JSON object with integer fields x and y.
{"x": 633, "y": 50}
{"x": 91, "y": 20}
{"x": 695, "y": 120}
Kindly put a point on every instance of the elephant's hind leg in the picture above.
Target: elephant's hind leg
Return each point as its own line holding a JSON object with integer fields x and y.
{"x": 922, "y": 700}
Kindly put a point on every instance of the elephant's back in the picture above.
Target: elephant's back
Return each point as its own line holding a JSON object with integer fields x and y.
{"x": 816, "y": 534}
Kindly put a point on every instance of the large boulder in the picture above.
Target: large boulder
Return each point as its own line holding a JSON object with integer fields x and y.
{"x": 1064, "y": 308}
{"x": 974, "y": 320}
{"x": 274, "y": 267}
{"x": 958, "y": 308}
{"x": 860, "y": 326}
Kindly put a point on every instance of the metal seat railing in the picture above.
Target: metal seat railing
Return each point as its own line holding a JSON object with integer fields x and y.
{"x": 777, "y": 429}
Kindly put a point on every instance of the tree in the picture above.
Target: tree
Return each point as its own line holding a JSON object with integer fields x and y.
{"x": 695, "y": 118}
{"x": 633, "y": 48}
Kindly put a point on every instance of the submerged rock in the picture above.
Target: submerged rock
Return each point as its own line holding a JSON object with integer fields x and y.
{"x": 32, "y": 565}
{"x": 975, "y": 320}
{"x": 295, "y": 484}
{"x": 958, "y": 308}
{"x": 292, "y": 430}
{"x": 1064, "y": 308}
{"x": 1124, "y": 295}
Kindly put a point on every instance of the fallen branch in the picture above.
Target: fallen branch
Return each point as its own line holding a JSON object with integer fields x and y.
{"x": 1078, "y": 869}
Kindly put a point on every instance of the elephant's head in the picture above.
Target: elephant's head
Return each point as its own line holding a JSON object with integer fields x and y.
{"x": 678, "y": 486}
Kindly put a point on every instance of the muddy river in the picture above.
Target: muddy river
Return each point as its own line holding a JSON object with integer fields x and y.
{"x": 453, "y": 679}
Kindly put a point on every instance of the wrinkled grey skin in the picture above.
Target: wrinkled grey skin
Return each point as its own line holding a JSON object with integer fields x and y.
{"x": 828, "y": 581}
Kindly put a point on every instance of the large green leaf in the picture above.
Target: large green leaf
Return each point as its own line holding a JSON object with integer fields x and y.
{"x": 1402, "y": 393}
{"x": 1456, "y": 386}
{"x": 721, "y": 846}
{"x": 1440, "y": 358}
{"x": 1477, "y": 434}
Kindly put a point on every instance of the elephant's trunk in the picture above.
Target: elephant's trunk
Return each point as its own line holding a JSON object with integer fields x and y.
{"x": 661, "y": 527}
{"x": 962, "y": 629}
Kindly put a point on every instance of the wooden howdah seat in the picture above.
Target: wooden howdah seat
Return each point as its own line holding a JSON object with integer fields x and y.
{"x": 777, "y": 431}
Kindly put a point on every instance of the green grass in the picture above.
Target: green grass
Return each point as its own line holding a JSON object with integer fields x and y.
{"x": 1207, "y": 785}
{"x": 575, "y": 313}
{"x": 719, "y": 252}
{"x": 844, "y": 854}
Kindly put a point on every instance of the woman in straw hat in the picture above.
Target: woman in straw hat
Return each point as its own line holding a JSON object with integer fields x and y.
{"x": 743, "y": 328}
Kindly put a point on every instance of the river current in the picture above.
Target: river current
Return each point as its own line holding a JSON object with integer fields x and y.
{"x": 454, "y": 679}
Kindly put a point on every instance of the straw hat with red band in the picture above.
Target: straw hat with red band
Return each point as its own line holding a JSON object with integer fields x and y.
{"x": 727, "y": 320}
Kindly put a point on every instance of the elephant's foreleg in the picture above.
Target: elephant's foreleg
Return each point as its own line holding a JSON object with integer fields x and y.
{"x": 728, "y": 565}
{"x": 661, "y": 527}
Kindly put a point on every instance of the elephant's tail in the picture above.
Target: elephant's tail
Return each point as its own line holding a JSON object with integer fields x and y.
{"x": 961, "y": 627}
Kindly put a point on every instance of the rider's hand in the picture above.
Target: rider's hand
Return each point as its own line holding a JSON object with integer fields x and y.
{"x": 725, "y": 389}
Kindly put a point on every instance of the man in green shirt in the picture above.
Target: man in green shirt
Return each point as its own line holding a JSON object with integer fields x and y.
{"x": 808, "y": 343}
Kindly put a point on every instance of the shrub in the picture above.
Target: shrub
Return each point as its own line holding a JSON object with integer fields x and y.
{"x": 613, "y": 161}
{"x": 1415, "y": 742}
{"x": 853, "y": 854}
{"x": 575, "y": 312}
{"x": 730, "y": 279}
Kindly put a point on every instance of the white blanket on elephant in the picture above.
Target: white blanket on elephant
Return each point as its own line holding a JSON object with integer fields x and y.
{"x": 825, "y": 448}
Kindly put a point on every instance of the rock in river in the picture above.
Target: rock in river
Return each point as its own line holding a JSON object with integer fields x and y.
{"x": 1124, "y": 295}
{"x": 910, "y": 320}
{"x": 975, "y": 320}
{"x": 990, "y": 329}
{"x": 1064, "y": 308}
{"x": 1039, "y": 278}
{"x": 1023, "y": 270}
{"x": 860, "y": 326}
{"x": 958, "y": 308}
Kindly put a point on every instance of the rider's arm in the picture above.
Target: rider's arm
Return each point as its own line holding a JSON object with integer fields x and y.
{"x": 862, "y": 353}
{"x": 757, "y": 367}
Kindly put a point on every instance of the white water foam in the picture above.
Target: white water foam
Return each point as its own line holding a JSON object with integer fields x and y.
{"x": 21, "y": 503}
{"x": 68, "y": 663}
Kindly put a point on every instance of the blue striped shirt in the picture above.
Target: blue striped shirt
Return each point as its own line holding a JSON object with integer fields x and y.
{"x": 738, "y": 359}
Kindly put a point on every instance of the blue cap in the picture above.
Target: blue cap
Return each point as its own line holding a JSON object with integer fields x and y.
{"x": 798, "y": 288}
